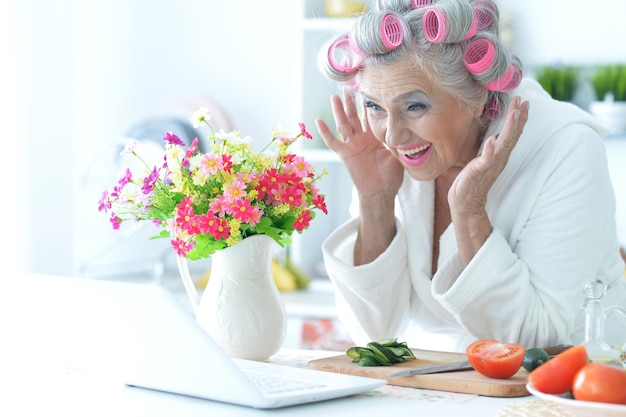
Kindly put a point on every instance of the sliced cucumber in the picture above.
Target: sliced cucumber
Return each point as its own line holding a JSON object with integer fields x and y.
{"x": 382, "y": 353}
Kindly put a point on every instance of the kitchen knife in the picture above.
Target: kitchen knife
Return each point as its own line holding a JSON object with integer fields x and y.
{"x": 462, "y": 365}
{"x": 444, "y": 367}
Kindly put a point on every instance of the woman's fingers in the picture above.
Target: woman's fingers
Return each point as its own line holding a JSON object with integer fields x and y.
{"x": 513, "y": 126}
{"x": 351, "y": 109}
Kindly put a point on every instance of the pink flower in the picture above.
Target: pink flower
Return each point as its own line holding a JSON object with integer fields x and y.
{"x": 244, "y": 211}
{"x": 292, "y": 196}
{"x": 219, "y": 205}
{"x": 185, "y": 216}
{"x": 192, "y": 149}
{"x": 286, "y": 139}
{"x": 276, "y": 196}
{"x": 181, "y": 247}
{"x": 172, "y": 139}
{"x": 299, "y": 166}
{"x": 210, "y": 163}
{"x": 104, "y": 204}
{"x": 234, "y": 190}
{"x": 149, "y": 181}
{"x": 115, "y": 221}
{"x": 227, "y": 163}
{"x": 304, "y": 132}
{"x": 247, "y": 177}
{"x": 203, "y": 222}
{"x": 126, "y": 178}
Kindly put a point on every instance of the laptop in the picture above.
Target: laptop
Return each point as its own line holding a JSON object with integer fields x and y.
{"x": 171, "y": 353}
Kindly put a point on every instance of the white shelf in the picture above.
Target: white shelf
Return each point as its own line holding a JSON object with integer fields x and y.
{"x": 313, "y": 102}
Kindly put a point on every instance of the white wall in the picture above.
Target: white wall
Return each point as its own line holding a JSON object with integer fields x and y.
{"x": 569, "y": 31}
{"x": 83, "y": 71}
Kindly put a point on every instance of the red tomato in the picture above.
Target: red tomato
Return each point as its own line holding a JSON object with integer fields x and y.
{"x": 557, "y": 375}
{"x": 494, "y": 359}
{"x": 600, "y": 382}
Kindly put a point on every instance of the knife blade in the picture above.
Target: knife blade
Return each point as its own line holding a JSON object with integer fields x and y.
{"x": 462, "y": 365}
{"x": 444, "y": 367}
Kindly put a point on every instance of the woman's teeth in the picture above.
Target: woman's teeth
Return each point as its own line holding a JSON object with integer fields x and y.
{"x": 413, "y": 152}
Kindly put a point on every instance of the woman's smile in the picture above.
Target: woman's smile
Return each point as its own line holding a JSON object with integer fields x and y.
{"x": 415, "y": 156}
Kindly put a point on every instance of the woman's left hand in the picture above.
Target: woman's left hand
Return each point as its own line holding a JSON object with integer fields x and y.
{"x": 468, "y": 194}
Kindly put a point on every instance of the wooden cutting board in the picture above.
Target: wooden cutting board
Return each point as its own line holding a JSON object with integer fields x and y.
{"x": 468, "y": 382}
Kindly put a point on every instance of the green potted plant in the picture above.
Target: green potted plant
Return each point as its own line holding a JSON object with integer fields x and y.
{"x": 560, "y": 82}
{"x": 609, "y": 85}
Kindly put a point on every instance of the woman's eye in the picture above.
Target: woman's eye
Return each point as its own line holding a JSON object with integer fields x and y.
{"x": 417, "y": 107}
{"x": 372, "y": 106}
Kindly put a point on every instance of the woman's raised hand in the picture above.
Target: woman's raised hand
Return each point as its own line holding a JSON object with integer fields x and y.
{"x": 373, "y": 169}
{"x": 468, "y": 194}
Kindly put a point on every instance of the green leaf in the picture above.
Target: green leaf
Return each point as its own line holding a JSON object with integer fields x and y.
{"x": 609, "y": 79}
{"x": 560, "y": 82}
{"x": 205, "y": 247}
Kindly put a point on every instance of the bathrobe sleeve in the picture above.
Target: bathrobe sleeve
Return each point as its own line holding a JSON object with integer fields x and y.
{"x": 549, "y": 237}
{"x": 372, "y": 300}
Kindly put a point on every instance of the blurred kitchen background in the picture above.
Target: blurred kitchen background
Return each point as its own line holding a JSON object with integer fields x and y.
{"x": 78, "y": 75}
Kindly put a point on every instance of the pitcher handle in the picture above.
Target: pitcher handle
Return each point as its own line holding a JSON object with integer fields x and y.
{"x": 190, "y": 287}
{"x": 614, "y": 309}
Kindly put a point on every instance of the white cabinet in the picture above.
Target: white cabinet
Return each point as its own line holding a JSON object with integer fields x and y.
{"x": 313, "y": 101}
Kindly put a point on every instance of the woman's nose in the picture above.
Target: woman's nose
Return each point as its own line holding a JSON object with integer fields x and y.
{"x": 396, "y": 133}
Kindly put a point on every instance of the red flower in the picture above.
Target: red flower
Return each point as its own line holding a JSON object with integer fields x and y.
{"x": 303, "y": 221}
{"x": 227, "y": 162}
{"x": 292, "y": 196}
{"x": 220, "y": 229}
{"x": 320, "y": 202}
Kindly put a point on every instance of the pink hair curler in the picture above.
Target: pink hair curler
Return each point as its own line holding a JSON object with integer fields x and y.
{"x": 503, "y": 82}
{"x": 391, "y": 31}
{"x": 492, "y": 110}
{"x": 434, "y": 24}
{"x": 342, "y": 57}
{"x": 479, "y": 56}
{"x": 354, "y": 46}
{"x": 484, "y": 14}
{"x": 416, "y": 4}
{"x": 515, "y": 80}
{"x": 474, "y": 26}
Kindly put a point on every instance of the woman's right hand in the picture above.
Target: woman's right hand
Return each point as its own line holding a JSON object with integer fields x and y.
{"x": 375, "y": 172}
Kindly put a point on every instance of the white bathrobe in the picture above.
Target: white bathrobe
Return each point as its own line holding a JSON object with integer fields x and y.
{"x": 553, "y": 216}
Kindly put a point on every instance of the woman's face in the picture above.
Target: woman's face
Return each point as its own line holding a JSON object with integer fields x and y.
{"x": 429, "y": 130}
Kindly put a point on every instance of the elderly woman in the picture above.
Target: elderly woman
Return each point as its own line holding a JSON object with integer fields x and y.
{"x": 483, "y": 204}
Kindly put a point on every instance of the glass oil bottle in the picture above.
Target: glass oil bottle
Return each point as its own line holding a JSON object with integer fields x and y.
{"x": 595, "y": 315}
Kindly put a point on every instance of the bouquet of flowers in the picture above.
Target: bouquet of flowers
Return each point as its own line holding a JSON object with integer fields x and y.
{"x": 204, "y": 202}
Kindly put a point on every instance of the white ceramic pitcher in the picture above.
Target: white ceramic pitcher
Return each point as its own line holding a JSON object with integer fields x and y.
{"x": 241, "y": 308}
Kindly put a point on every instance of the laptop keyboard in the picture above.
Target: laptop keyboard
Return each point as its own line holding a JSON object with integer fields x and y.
{"x": 269, "y": 384}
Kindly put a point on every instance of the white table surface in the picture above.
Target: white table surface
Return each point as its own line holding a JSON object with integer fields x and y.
{"x": 59, "y": 355}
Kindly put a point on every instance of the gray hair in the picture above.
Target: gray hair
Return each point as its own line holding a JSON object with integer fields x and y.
{"x": 442, "y": 60}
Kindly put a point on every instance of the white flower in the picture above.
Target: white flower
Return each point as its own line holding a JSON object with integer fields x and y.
{"x": 200, "y": 116}
{"x": 130, "y": 147}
